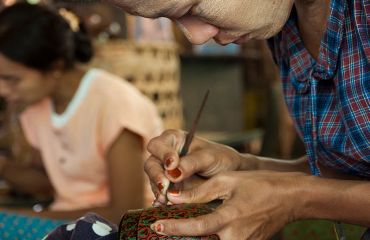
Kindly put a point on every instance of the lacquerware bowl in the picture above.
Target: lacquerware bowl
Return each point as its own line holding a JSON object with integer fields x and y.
{"x": 135, "y": 224}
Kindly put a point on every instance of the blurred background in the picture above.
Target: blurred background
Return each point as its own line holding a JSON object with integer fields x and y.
{"x": 245, "y": 110}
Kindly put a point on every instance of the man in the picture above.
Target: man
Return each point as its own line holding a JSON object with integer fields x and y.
{"x": 323, "y": 50}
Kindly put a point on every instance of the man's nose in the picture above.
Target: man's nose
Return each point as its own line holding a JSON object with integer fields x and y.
{"x": 197, "y": 31}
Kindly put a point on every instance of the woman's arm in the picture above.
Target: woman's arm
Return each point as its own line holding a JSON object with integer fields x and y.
{"x": 31, "y": 179}
{"x": 126, "y": 174}
{"x": 125, "y": 166}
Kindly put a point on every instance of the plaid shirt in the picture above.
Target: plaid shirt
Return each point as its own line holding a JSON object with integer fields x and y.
{"x": 329, "y": 99}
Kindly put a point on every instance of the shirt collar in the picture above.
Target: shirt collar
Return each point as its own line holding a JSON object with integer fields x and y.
{"x": 299, "y": 57}
{"x": 330, "y": 44}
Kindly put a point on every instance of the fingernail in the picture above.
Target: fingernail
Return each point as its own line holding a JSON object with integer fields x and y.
{"x": 174, "y": 192}
{"x": 157, "y": 228}
{"x": 175, "y": 173}
{"x": 160, "y": 186}
{"x": 169, "y": 161}
{"x": 156, "y": 204}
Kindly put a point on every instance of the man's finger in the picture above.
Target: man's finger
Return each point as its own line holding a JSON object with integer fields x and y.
{"x": 155, "y": 172}
{"x": 199, "y": 226}
{"x": 166, "y": 147}
{"x": 196, "y": 162}
{"x": 212, "y": 189}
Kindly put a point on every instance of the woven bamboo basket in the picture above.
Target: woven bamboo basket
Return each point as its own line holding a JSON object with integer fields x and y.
{"x": 154, "y": 68}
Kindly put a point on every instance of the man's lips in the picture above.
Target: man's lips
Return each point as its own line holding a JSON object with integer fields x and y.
{"x": 243, "y": 39}
{"x": 223, "y": 38}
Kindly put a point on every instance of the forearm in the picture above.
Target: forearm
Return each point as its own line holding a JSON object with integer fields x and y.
{"x": 338, "y": 200}
{"x": 26, "y": 179}
{"x": 251, "y": 162}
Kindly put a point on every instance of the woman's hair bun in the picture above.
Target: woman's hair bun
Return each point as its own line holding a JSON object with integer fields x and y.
{"x": 83, "y": 46}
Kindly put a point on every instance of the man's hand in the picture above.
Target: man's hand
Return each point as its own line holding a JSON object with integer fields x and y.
{"x": 204, "y": 159}
{"x": 257, "y": 204}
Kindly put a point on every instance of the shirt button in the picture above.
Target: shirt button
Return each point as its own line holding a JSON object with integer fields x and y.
{"x": 57, "y": 132}
{"x": 65, "y": 146}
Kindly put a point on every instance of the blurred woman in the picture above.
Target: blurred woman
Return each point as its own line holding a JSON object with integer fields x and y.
{"x": 89, "y": 127}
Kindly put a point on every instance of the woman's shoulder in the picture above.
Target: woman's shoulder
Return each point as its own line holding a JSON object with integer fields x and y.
{"x": 123, "y": 105}
{"x": 112, "y": 91}
{"x": 38, "y": 109}
{"x": 108, "y": 84}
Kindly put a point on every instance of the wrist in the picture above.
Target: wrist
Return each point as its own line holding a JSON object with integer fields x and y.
{"x": 292, "y": 195}
{"x": 331, "y": 199}
{"x": 248, "y": 162}
{"x": 314, "y": 198}
{"x": 234, "y": 158}
{"x": 298, "y": 195}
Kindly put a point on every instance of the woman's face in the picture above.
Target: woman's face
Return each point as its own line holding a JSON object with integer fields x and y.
{"x": 22, "y": 85}
{"x": 224, "y": 20}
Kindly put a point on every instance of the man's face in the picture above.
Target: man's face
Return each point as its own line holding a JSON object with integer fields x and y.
{"x": 224, "y": 20}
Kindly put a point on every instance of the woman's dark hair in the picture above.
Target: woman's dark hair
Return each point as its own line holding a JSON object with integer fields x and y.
{"x": 38, "y": 37}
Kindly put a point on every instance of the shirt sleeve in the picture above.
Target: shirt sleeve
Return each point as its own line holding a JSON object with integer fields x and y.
{"x": 129, "y": 110}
